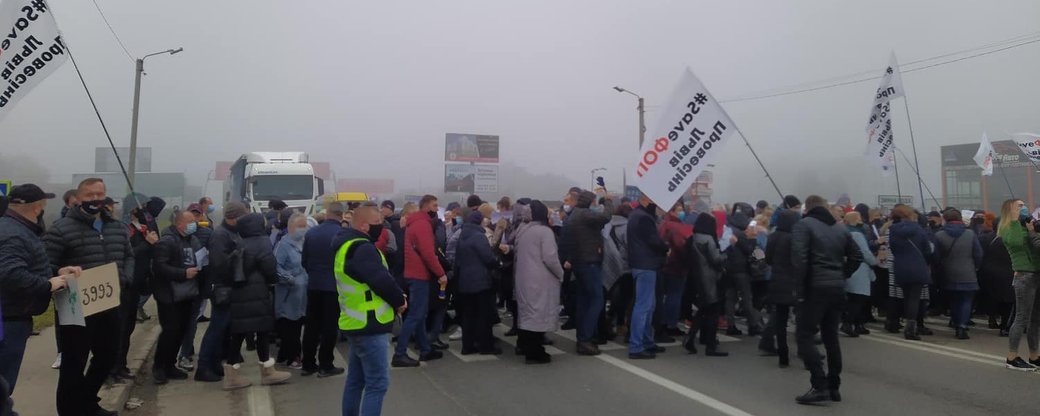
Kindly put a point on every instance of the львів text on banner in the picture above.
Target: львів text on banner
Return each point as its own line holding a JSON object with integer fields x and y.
{"x": 31, "y": 48}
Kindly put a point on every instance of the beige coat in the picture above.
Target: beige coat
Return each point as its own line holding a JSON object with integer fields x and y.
{"x": 538, "y": 275}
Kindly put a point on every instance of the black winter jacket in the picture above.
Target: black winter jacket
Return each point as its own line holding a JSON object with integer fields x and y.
{"x": 365, "y": 265}
{"x": 473, "y": 260}
{"x": 174, "y": 254}
{"x": 737, "y": 254}
{"x": 583, "y": 239}
{"x": 73, "y": 241}
{"x": 646, "y": 249}
{"x": 778, "y": 257}
{"x": 25, "y": 290}
{"x": 143, "y": 254}
{"x": 222, "y": 243}
{"x": 252, "y": 309}
{"x": 823, "y": 255}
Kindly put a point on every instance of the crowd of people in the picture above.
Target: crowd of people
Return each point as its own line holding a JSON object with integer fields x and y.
{"x": 611, "y": 269}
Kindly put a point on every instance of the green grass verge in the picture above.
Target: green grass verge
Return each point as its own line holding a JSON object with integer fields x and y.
{"x": 45, "y": 320}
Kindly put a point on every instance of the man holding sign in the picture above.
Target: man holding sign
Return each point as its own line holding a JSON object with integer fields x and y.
{"x": 89, "y": 237}
{"x": 25, "y": 276}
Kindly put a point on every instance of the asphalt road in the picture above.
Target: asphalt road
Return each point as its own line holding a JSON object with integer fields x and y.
{"x": 883, "y": 375}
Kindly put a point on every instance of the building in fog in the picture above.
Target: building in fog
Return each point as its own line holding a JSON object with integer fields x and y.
{"x": 964, "y": 186}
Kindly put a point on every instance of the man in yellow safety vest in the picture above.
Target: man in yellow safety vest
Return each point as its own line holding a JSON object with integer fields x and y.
{"x": 368, "y": 301}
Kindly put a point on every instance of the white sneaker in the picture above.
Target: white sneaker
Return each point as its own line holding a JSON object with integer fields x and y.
{"x": 57, "y": 362}
{"x": 186, "y": 364}
{"x": 455, "y": 336}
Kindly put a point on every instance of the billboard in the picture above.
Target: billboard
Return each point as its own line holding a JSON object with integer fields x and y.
{"x": 470, "y": 148}
{"x": 105, "y": 161}
{"x": 472, "y": 179}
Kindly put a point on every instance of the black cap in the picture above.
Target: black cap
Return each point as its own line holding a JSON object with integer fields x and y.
{"x": 27, "y": 194}
{"x": 762, "y": 204}
{"x": 388, "y": 204}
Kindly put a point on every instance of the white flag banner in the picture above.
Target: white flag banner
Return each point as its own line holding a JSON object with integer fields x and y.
{"x": 984, "y": 156}
{"x": 1029, "y": 143}
{"x": 30, "y": 50}
{"x": 880, "y": 147}
{"x": 691, "y": 132}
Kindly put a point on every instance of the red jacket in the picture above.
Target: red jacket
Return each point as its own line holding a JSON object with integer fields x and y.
{"x": 420, "y": 250}
{"x": 675, "y": 233}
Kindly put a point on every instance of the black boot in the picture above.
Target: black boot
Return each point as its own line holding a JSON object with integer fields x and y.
{"x": 923, "y": 330}
{"x": 910, "y": 332}
{"x": 690, "y": 344}
{"x": 814, "y": 396}
{"x": 862, "y": 330}
{"x": 848, "y": 331}
{"x": 962, "y": 333}
{"x": 785, "y": 361}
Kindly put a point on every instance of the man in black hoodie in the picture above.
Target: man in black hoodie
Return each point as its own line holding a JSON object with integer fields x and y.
{"x": 363, "y": 268}
{"x": 823, "y": 255}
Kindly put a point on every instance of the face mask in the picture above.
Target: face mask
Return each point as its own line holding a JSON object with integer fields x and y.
{"x": 299, "y": 234}
{"x": 455, "y": 220}
{"x": 432, "y": 214}
{"x": 192, "y": 228}
{"x": 375, "y": 230}
{"x": 211, "y": 209}
{"x": 977, "y": 221}
{"x": 1023, "y": 213}
{"x": 92, "y": 208}
{"x": 567, "y": 208}
{"x": 682, "y": 216}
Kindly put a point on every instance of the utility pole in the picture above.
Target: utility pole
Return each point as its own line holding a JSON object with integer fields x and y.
{"x": 137, "y": 107}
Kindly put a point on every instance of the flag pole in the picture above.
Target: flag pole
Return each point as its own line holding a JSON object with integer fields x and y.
{"x": 1004, "y": 174}
{"x": 899, "y": 188}
{"x": 917, "y": 164}
{"x": 919, "y": 181}
{"x": 770, "y": 177}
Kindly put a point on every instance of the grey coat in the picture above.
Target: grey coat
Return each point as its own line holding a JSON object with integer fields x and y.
{"x": 538, "y": 275}
{"x": 961, "y": 255}
{"x": 615, "y": 250}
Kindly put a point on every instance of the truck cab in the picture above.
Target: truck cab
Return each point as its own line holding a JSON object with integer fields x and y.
{"x": 259, "y": 177}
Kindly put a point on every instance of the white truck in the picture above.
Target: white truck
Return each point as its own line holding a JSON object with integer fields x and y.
{"x": 258, "y": 177}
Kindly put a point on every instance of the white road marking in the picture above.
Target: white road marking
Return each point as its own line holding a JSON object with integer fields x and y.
{"x": 675, "y": 387}
{"x": 456, "y": 349}
{"x": 926, "y": 347}
{"x": 500, "y": 334}
{"x": 260, "y": 403}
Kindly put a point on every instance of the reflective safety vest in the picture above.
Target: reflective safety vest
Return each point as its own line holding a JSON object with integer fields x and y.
{"x": 356, "y": 299}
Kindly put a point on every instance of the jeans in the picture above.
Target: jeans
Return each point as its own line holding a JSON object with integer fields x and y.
{"x": 960, "y": 307}
{"x": 211, "y": 352}
{"x": 78, "y": 385}
{"x": 368, "y": 375}
{"x": 821, "y": 315}
{"x": 1027, "y": 314}
{"x": 174, "y": 319}
{"x": 589, "y": 299}
{"x": 321, "y": 329}
{"x": 188, "y": 343}
{"x": 12, "y": 349}
{"x": 671, "y": 299}
{"x": 641, "y": 332}
{"x": 415, "y": 321}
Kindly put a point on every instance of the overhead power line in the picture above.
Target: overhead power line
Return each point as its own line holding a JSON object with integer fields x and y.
{"x": 110, "y": 29}
{"x": 1016, "y": 42}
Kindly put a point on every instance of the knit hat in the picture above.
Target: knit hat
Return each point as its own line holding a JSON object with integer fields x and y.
{"x": 791, "y": 201}
{"x": 388, "y": 204}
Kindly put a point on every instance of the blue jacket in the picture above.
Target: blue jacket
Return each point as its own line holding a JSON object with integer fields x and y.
{"x": 290, "y": 294}
{"x": 646, "y": 249}
{"x": 911, "y": 250}
{"x": 859, "y": 282}
{"x": 319, "y": 254}
{"x": 25, "y": 289}
{"x": 473, "y": 260}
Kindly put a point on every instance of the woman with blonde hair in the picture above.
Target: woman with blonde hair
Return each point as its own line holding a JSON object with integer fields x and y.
{"x": 1018, "y": 230}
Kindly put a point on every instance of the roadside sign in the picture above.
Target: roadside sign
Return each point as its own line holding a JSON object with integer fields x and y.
{"x": 5, "y": 187}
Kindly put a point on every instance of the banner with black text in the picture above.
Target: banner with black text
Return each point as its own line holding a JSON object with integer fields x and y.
{"x": 31, "y": 48}
{"x": 880, "y": 141}
{"x": 691, "y": 132}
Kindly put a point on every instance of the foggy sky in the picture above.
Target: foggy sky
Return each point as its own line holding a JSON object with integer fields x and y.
{"x": 373, "y": 86}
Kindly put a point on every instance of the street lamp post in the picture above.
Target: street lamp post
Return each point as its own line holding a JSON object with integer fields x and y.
{"x": 642, "y": 114}
{"x": 137, "y": 107}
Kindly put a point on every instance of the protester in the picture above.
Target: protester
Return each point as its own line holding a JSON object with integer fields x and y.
{"x": 70, "y": 201}
{"x": 996, "y": 276}
{"x": 368, "y": 307}
{"x": 737, "y": 279}
{"x": 961, "y": 256}
{"x": 1018, "y": 231}
{"x": 322, "y": 315}
{"x": 476, "y": 297}
{"x": 584, "y": 254}
{"x": 224, "y": 250}
{"x": 251, "y": 304}
{"x": 781, "y": 291}
{"x": 290, "y": 294}
{"x": 140, "y": 222}
{"x": 617, "y": 275}
{"x": 392, "y": 223}
{"x": 646, "y": 255}
{"x": 538, "y": 278}
{"x": 672, "y": 279}
{"x": 823, "y": 254}
{"x": 88, "y": 237}
{"x": 911, "y": 251}
{"x": 26, "y": 281}
{"x": 707, "y": 262}
{"x": 186, "y": 358}
{"x": 206, "y": 203}
{"x": 274, "y": 212}
{"x": 857, "y": 287}
{"x": 421, "y": 267}
{"x": 176, "y": 290}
